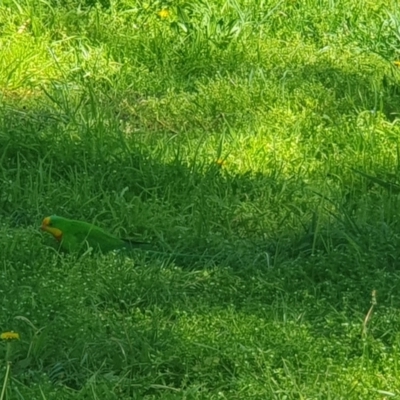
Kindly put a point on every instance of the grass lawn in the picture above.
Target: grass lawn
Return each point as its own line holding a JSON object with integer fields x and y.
{"x": 256, "y": 145}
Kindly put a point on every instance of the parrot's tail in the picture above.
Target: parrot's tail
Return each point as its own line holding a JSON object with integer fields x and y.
{"x": 132, "y": 244}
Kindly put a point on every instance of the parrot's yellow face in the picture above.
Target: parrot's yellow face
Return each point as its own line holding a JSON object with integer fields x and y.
{"x": 48, "y": 227}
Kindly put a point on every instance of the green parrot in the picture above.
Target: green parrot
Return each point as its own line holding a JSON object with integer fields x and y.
{"x": 75, "y": 236}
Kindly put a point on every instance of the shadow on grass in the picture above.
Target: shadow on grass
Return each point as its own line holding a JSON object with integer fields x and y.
{"x": 242, "y": 242}
{"x": 196, "y": 211}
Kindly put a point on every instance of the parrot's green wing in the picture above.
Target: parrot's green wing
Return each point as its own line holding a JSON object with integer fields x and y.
{"x": 77, "y": 236}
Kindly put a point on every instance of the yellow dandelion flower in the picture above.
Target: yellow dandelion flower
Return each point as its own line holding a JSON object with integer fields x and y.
{"x": 164, "y": 13}
{"x": 220, "y": 162}
{"x": 9, "y": 336}
{"x": 396, "y": 63}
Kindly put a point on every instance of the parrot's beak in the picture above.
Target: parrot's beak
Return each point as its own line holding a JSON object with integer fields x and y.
{"x": 54, "y": 231}
{"x": 45, "y": 224}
